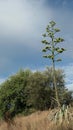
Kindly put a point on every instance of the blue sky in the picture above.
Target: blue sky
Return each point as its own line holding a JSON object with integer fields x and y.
{"x": 22, "y": 23}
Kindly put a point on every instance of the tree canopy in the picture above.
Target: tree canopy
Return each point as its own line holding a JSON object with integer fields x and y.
{"x": 28, "y": 91}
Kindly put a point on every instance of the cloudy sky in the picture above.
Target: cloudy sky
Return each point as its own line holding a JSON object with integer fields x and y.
{"x": 22, "y": 23}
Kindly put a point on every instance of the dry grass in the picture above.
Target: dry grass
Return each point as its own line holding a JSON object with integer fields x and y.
{"x": 36, "y": 121}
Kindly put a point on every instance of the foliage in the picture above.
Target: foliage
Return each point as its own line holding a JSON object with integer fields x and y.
{"x": 40, "y": 92}
{"x": 62, "y": 91}
{"x": 26, "y": 92}
{"x": 12, "y": 93}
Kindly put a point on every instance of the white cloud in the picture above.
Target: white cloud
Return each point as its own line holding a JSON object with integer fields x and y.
{"x": 70, "y": 86}
{"x": 68, "y": 69}
{"x": 19, "y": 17}
{"x": 22, "y": 22}
{"x": 2, "y": 80}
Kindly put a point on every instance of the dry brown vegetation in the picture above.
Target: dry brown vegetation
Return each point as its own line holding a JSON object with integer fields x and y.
{"x": 36, "y": 121}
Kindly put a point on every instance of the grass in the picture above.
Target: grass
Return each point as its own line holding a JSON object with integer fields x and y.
{"x": 36, "y": 121}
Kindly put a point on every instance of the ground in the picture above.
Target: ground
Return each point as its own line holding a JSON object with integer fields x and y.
{"x": 41, "y": 120}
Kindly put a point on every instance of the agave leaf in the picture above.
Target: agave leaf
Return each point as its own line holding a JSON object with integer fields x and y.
{"x": 56, "y": 30}
{"x": 59, "y": 60}
{"x": 44, "y": 35}
{"x": 45, "y": 56}
{"x": 52, "y": 23}
{"x": 44, "y": 50}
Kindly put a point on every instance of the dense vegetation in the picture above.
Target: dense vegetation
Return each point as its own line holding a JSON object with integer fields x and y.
{"x": 27, "y": 91}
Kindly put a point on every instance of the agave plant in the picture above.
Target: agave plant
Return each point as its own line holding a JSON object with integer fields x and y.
{"x": 62, "y": 115}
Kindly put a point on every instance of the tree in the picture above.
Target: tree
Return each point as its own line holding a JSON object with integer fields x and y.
{"x": 60, "y": 83}
{"x": 13, "y": 94}
{"x": 39, "y": 91}
{"x": 53, "y": 49}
